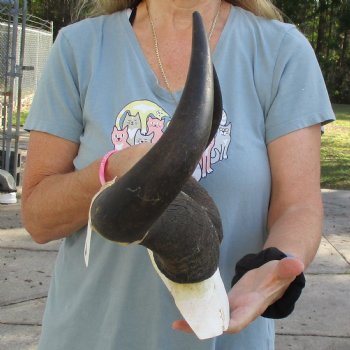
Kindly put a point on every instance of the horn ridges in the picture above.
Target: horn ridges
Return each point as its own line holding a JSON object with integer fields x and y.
{"x": 126, "y": 210}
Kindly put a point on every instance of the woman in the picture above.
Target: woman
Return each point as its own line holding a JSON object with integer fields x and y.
{"x": 113, "y": 82}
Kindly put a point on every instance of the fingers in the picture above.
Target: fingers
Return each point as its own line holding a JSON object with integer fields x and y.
{"x": 289, "y": 268}
{"x": 121, "y": 162}
{"x": 241, "y": 318}
{"x": 181, "y": 325}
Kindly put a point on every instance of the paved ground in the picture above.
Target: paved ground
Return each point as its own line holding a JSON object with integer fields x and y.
{"x": 321, "y": 320}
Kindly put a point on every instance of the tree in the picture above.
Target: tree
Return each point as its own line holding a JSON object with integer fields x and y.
{"x": 59, "y": 12}
{"x": 326, "y": 23}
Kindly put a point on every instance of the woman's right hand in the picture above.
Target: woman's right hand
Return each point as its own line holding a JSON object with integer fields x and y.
{"x": 56, "y": 197}
{"x": 121, "y": 162}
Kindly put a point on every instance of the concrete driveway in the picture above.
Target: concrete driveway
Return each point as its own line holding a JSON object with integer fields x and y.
{"x": 321, "y": 320}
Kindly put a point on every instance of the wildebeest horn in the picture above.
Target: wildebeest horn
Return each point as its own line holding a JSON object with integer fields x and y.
{"x": 126, "y": 210}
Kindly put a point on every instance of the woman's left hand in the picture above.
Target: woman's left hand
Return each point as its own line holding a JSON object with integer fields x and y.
{"x": 255, "y": 291}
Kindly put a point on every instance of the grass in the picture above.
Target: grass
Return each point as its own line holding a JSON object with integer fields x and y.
{"x": 335, "y": 151}
{"x": 23, "y": 118}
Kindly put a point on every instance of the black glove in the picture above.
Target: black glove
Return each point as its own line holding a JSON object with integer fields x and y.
{"x": 283, "y": 306}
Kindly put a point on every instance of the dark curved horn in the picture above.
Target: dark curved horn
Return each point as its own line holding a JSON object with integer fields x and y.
{"x": 217, "y": 110}
{"x": 186, "y": 238}
{"x": 126, "y": 210}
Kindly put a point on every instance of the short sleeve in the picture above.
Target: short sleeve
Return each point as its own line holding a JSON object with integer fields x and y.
{"x": 299, "y": 95}
{"x": 56, "y": 107}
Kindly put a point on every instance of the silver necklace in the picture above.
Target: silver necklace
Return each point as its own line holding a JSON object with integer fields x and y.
{"x": 156, "y": 46}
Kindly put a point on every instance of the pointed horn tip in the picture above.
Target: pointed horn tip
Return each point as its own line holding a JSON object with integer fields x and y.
{"x": 196, "y": 14}
{"x": 197, "y": 20}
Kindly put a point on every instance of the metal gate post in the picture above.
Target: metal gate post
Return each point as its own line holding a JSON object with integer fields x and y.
{"x": 12, "y": 75}
{"x": 20, "y": 68}
{"x": 13, "y": 85}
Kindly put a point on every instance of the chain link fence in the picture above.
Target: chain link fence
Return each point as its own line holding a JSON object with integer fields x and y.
{"x": 38, "y": 41}
{"x": 25, "y": 42}
{"x": 37, "y": 46}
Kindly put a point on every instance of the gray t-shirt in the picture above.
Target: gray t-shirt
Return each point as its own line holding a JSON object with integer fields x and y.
{"x": 98, "y": 90}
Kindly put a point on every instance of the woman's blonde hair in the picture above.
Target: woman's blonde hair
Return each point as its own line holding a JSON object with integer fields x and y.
{"x": 263, "y": 8}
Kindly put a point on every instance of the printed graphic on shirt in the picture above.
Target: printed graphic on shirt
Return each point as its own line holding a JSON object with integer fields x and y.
{"x": 145, "y": 121}
{"x": 138, "y": 122}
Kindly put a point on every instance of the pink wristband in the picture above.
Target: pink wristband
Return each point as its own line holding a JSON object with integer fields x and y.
{"x": 103, "y": 165}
